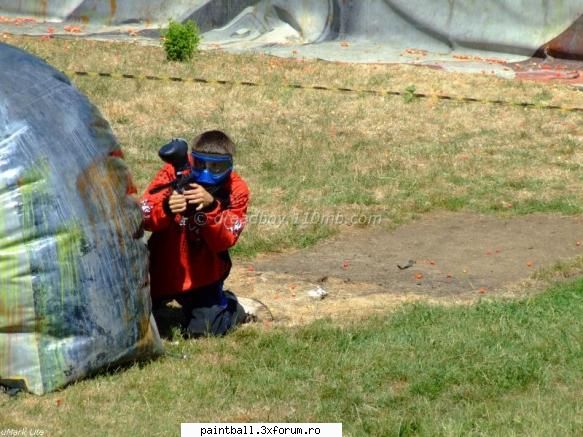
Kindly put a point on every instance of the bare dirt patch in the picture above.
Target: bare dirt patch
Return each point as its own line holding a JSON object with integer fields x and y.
{"x": 448, "y": 258}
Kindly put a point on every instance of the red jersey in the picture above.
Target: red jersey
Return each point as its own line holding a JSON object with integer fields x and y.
{"x": 191, "y": 252}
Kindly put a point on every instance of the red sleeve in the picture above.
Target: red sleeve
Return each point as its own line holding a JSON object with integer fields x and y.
{"x": 156, "y": 217}
{"x": 131, "y": 188}
{"x": 224, "y": 225}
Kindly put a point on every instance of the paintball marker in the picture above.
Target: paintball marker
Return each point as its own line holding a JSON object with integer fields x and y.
{"x": 176, "y": 154}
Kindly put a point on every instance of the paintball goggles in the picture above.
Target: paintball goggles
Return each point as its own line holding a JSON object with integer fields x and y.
{"x": 207, "y": 169}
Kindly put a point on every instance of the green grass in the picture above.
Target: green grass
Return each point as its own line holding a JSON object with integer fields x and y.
{"x": 292, "y": 236}
{"x": 494, "y": 368}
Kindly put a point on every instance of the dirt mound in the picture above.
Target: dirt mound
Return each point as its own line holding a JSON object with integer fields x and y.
{"x": 446, "y": 258}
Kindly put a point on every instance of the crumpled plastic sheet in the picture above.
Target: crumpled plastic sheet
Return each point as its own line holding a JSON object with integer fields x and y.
{"x": 437, "y": 32}
{"x": 74, "y": 290}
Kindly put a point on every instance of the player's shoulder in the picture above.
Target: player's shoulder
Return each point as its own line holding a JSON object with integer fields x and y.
{"x": 237, "y": 183}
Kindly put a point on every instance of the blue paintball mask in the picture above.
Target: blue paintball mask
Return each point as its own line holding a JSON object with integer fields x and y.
{"x": 210, "y": 169}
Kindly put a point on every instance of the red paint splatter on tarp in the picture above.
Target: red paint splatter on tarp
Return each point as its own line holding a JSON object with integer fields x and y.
{"x": 415, "y": 52}
{"x": 546, "y": 74}
{"x": 72, "y": 29}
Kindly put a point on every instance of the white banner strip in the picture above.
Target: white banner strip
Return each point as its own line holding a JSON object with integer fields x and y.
{"x": 261, "y": 429}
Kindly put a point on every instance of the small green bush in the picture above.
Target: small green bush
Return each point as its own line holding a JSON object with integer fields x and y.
{"x": 181, "y": 40}
{"x": 409, "y": 94}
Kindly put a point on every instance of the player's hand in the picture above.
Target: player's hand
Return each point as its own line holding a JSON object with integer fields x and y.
{"x": 177, "y": 203}
{"x": 197, "y": 195}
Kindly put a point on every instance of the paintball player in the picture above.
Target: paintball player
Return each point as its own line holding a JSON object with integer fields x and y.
{"x": 192, "y": 231}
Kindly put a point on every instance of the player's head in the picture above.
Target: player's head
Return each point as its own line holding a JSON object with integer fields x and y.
{"x": 212, "y": 157}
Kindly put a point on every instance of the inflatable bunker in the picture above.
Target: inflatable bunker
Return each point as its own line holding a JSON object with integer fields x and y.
{"x": 74, "y": 290}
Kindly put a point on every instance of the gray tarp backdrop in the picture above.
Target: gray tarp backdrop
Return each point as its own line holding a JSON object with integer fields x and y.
{"x": 371, "y": 30}
{"x": 74, "y": 290}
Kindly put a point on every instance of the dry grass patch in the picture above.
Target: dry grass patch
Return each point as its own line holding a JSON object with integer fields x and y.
{"x": 329, "y": 152}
